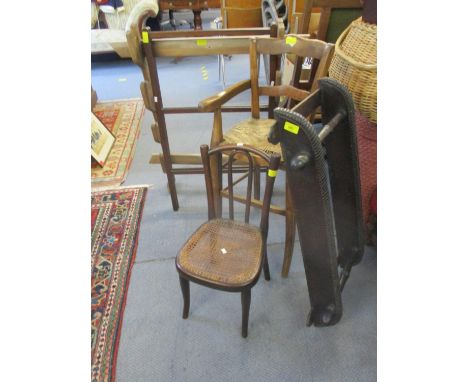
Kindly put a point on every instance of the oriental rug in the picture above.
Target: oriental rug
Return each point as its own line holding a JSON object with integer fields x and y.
{"x": 115, "y": 221}
{"x": 123, "y": 119}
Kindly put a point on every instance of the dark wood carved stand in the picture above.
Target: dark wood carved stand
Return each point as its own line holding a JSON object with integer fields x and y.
{"x": 323, "y": 173}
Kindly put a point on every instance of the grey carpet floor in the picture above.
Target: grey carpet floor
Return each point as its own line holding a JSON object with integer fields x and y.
{"x": 156, "y": 343}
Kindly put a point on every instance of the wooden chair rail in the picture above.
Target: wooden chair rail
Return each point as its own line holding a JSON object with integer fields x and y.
{"x": 337, "y": 3}
{"x": 196, "y": 110}
{"x": 214, "y": 102}
{"x": 283, "y": 90}
{"x": 208, "y": 46}
{"x": 255, "y": 203}
{"x": 292, "y": 44}
{"x": 210, "y": 33}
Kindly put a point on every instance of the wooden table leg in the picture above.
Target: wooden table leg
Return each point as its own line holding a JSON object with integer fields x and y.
{"x": 197, "y": 21}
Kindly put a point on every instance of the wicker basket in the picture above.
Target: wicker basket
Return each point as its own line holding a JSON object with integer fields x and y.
{"x": 355, "y": 65}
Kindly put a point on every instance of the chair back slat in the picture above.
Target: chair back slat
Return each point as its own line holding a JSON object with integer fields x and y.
{"x": 319, "y": 52}
{"x": 234, "y": 152}
{"x": 230, "y": 186}
{"x": 292, "y": 44}
{"x": 249, "y": 189}
{"x": 208, "y": 181}
{"x": 254, "y": 79}
{"x": 283, "y": 90}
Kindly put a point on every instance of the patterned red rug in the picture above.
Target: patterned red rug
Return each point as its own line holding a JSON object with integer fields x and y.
{"x": 115, "y": 221}
{"x": 123, "y": 119}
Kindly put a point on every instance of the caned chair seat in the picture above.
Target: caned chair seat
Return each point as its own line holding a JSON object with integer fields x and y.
{"x": 253, "y": 132}
{"x": 223, "y": 252}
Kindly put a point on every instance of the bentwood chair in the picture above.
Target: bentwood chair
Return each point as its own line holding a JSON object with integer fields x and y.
{"x": 254, "y": 131}
{"x": 226, "y": 254}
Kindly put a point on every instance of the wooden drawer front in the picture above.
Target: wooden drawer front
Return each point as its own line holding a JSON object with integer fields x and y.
{"x": 175, "y": 4}
{"x": 210, "y": 3}
{"x": 188, "y": 4}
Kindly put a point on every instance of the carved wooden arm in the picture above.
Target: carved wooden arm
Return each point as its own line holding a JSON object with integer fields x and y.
{"x": 215, "y": 102}
{"x": 135, "y": 22}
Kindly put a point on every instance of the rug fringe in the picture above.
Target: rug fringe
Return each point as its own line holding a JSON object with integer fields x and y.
{"x": 120, "y": 100}
{"x": 106, "y": 188}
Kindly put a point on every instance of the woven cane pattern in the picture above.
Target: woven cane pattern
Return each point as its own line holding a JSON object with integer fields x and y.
{"x": 355, "y": 66}
{"x": 253, "y": 132}
{"x": 223, "y": 251}
{"x": 367, "y": 149}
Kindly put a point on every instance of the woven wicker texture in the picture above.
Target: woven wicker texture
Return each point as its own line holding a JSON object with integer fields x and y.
{"x": 355, "y": 65}
{"x": 223, "y": 251}
{"x": 367, "y": 149}
{"x": 253, "y": 132}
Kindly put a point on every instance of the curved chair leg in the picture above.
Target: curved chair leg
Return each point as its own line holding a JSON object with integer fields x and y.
{"x": 266, "y": 268}
{"x": 185, "y": 286}
{"x": 245, "y": 299}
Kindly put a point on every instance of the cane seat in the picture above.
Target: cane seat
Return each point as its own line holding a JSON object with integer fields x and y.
{"x": 253, "y": 132}
{"x": 224, "y": 252}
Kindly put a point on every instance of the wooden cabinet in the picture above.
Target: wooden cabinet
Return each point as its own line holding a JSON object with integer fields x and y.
{"x": 189, "y": 4}
{"x": 195, "y": 5}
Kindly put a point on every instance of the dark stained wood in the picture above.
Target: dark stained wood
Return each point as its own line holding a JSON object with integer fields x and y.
{"x": 257, "y": 203}
{"x": 185, "y": 274}
{"x": 245, "y": 299}
{"x": 185, "y": 287}
{"x": 197, "y": 20}
{"x": 195, "y": 5}
{"x": 266, "y": 267}
{"x": 323, "y": 172}
{"x": 369, "y": 11}
{"x": 249, "y": 175}
{"x": 290, "y": 233}
{"x": 274, "y": 62}
{"x": 257, "y": 182}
